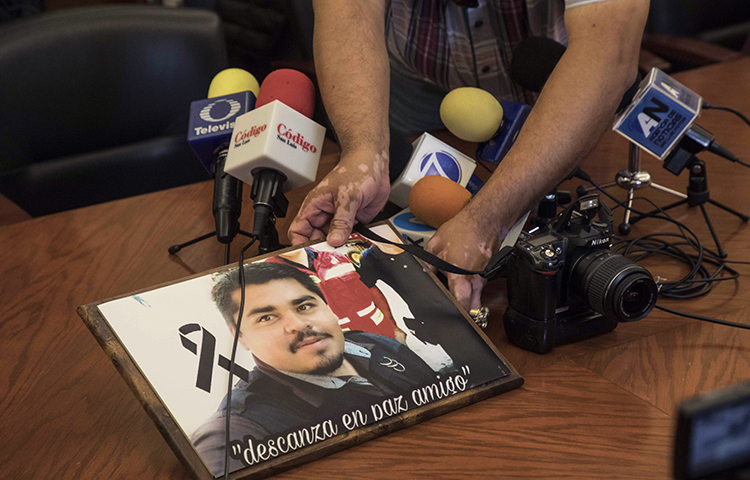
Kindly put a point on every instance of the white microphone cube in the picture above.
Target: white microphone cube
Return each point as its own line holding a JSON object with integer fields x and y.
{"x": 659, "y": 114}
{"x": 275, "y": 136}
{"x": 431, "y": 157}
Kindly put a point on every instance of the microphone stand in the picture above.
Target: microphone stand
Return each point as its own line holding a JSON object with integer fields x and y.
{"x": 269, "y": 202}
{"x": 268, "y": 240}
{"x": 176, "y": 248}
{"x": 631, "y": 179}
{"x": 227, "y": 206}
{"x": 697, "y": 191}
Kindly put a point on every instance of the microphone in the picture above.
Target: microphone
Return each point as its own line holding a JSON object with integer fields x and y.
{"x": 657, "y": 115}
{"x": 276, "y": 147}
{"x": 661, "y": 120}
{"x": 535, "y": 58}
{"x": 533, "y": 61}
{"x": 422, "y": 200}
{"x": 474, "y": 115}
{"x": 431, "y": 156}
{"x": 400, "y": 151}
{"x": 232, "y": 93}
{"x": 471, "y": 114}
{"x": 432, "y": 201}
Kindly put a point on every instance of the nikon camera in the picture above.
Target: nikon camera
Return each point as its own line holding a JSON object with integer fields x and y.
{"x": 565, "y": 284}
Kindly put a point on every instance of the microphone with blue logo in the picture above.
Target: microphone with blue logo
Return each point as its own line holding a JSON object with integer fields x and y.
{"x": 474, "y": 115}
{"x": 432, "y": 156}
{"x": 232, "y": 93}
{"x": 661, "y": 120}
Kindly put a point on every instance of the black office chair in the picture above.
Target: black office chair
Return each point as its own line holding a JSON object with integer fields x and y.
{"x": 94, "y": 102}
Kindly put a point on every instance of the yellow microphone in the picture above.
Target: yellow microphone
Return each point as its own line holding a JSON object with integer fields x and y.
{"x": 233, "y": 80}
{"x": 471, "y": 114}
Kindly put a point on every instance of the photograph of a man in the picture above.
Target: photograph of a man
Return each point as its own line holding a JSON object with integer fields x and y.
{"x": 307, "y": 369}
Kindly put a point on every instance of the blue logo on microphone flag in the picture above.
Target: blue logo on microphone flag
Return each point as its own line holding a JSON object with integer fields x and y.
{"x": 220, "y": 110}
{"x": 407, "y": 221}
{"x": 440, "y": 163}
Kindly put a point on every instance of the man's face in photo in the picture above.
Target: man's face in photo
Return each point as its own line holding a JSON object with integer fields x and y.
{"x": 290, "y": 328}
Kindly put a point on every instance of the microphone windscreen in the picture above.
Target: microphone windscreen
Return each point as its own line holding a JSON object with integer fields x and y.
{"x": 630, "y": 93}
{"x": 399, "y": 154}
{"x": 471, "y": 114}
{"x": 533, "y": 61}
{"x": 435, "y": 199}
{"x": 292, "y": 88}
{"x": 231, "y": 81}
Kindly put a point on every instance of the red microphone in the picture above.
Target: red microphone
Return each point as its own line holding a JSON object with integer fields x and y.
{"x": 276, "y": 147}
{"x": 290, "y": 87}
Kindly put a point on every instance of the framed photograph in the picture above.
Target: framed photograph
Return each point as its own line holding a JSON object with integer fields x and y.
{"x": 336, "y": 346}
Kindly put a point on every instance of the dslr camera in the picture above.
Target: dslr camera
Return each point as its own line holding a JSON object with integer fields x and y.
{"x": 565, "y": 284}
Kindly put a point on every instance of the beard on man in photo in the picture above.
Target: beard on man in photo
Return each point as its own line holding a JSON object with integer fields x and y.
{"x": 357, "y": 306}
{"x": 308, "y": 370}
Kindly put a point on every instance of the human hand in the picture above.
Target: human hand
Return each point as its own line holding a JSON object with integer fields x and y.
{"x": 355, "y": 190}
{"x": 465, "y": 242}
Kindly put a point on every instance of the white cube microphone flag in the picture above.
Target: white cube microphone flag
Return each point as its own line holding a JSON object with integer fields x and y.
{"x": 278, "y": 137}
{"x": 659, "y": 115}
{"x": 276, "y": 147}
{"x": 433, "y": 157}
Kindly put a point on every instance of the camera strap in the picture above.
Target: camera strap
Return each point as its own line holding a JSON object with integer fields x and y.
{"x": 491, "y": 271}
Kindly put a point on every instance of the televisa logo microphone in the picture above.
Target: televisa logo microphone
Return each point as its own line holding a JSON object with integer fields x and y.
{"x": 232, "y": 93}
{"x": 276, "y": 147}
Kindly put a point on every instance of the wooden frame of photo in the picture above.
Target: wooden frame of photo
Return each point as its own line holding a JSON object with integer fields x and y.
{"x": 186, "y": 452}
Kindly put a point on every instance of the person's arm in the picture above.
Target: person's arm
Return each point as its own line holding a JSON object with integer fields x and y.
{"x": 351, "y": 63}
{"x": 575, "y": 107}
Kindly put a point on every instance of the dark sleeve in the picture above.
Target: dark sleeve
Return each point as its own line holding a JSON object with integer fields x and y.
{"x": 418, "y": 371}
{"x": 209, "y": 440}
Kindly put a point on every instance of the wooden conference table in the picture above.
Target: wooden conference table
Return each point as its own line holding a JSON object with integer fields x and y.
{"x": 603, "y": 408}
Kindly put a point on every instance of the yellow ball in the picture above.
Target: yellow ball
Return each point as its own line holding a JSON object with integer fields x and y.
{"x": 232, "y": 80}
{"x": 471, "y": 114}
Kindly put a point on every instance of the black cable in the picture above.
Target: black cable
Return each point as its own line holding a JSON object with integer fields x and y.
{"x": 702, "y": 318}
{"x": 683, "y": 228}
{"x": 708, "y": 106}
{"x": 241, "y": 270}
{"x": 481, "y": 164}
{"x": 689, "y": 286}
{"x": 699, "y": 280}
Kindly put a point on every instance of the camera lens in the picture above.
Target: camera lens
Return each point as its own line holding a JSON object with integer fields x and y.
{"x": 615, "y": 286}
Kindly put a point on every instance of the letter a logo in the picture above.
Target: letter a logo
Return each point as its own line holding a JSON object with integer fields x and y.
{"x": 647, "y": 123}
{"x": 440, "y": 163}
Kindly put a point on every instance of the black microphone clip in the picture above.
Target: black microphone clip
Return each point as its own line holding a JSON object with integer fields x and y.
{"x": 268, "y": 199}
